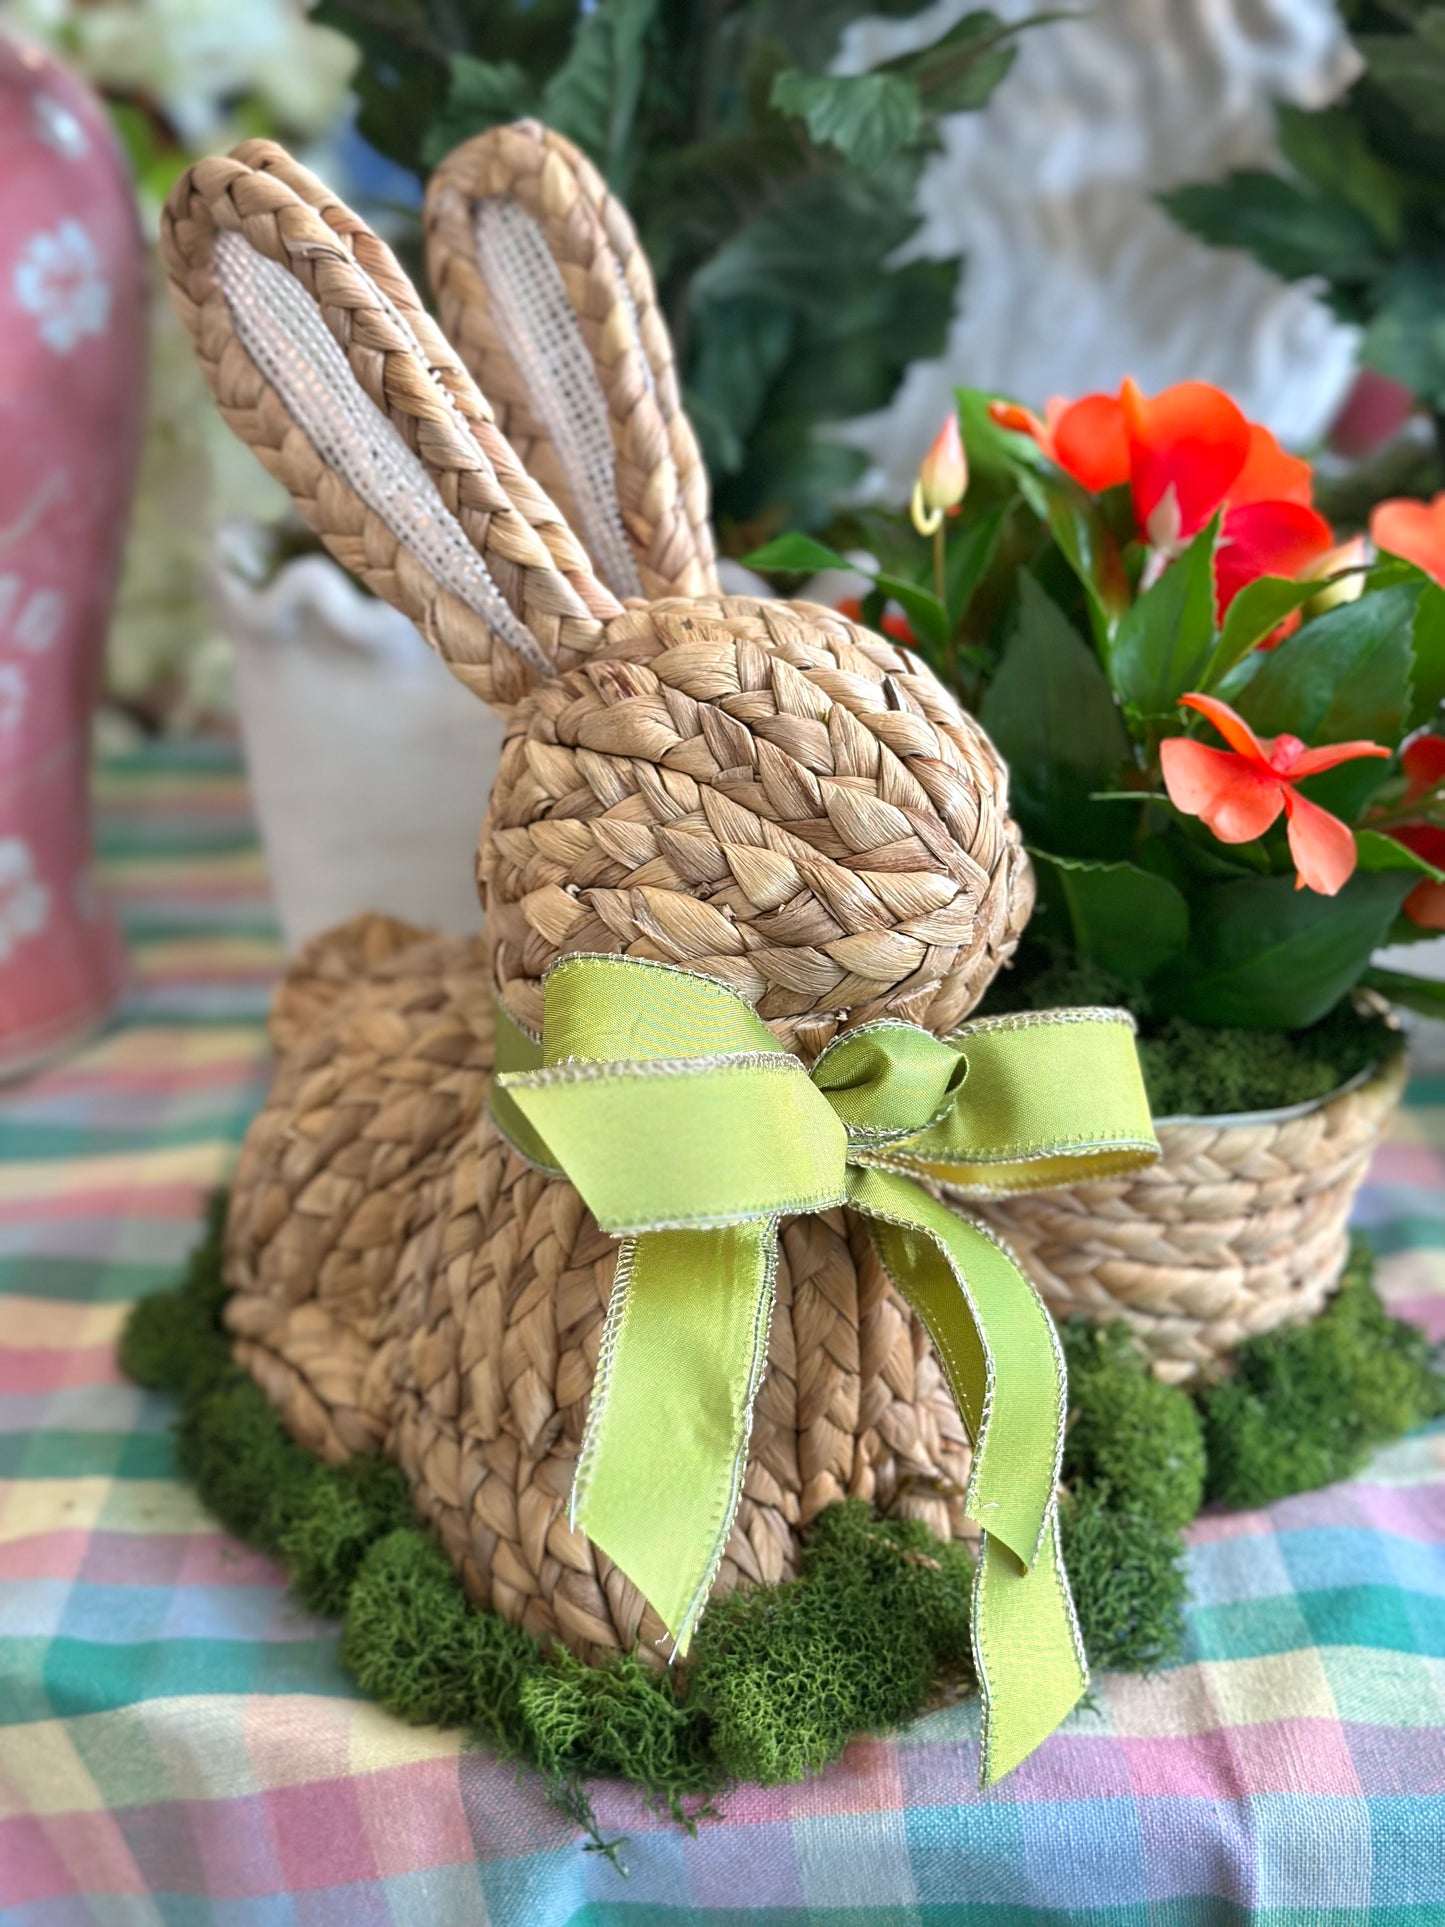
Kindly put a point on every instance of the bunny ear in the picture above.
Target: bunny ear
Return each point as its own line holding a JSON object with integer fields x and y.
{"x": 543, "y": 286}
{"x": 323, "y": 359}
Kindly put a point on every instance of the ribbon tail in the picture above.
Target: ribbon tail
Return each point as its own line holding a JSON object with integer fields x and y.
{"x": 666, "y": 1443}
{"x": 1001, "y": 1354}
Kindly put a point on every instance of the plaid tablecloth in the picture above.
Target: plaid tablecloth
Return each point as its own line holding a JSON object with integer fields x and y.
{"x": 178, "y": 1743}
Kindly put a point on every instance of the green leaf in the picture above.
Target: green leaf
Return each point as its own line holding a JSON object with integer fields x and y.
{"x": 1128, "y": 921}
{"x": 1408, "y": 71}
{"x": 482, "y": 94}
{"x": 1266, "y": 956}
{"x": 1282, "y": 224}
{"x": 1378, "y": 853}
{"x": 592, "y": 98}
{"x": 797, "y": 555}
{"x": 1163, "y": 642}
{"x": 1425, "y": 994}
{"x": 1052, "y": 717}
{"x": 1405, "y": 338}
{"x": 960, "y": 71}
{"x": 867, "y": 117}
{"x": 968, "y": 557}
{"x": 1328, "y": 149}
{"x": 1258, "y": 609}
{"x": 993, "y": 450}
{"x": 1428, "y": 679}
{"x": 926, "y": 614}
{"x": 1343, "y": 676}
{"x": 1076, "y": 523}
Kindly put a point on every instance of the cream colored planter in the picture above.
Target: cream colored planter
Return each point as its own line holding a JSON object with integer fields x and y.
{"x": 370, "y": 765}
{"x": 1241, "y": 1226}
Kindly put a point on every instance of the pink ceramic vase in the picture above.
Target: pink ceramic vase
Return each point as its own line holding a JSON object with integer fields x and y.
{"x": 72, "y": 364}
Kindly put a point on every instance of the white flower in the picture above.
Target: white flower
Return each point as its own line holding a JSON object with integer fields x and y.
{"x": 14, "y": 691}
{"x": 24, "y": 899}
{"x": 38, "y": 623}
{"x": 58, "y": 278}
{"x": 59, "y": 128}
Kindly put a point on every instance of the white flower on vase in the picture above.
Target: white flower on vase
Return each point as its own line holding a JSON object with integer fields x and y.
{"x": 39, "y": 621}
{"x": 24, "y": 899}
{"x": 14, "y": 693}
{"x": 58, "y": 278}
{"x": 59, "y": 128}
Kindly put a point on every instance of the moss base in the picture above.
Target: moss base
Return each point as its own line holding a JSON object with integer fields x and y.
{"x": 874, "y": 1630}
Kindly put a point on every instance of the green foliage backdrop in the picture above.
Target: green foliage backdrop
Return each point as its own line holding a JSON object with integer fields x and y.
{"x": 772, "y": 197}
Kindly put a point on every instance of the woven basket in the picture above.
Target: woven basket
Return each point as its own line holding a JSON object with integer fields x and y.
{"x": 1240, "y": 1227}
{"x": 760, "y": 791}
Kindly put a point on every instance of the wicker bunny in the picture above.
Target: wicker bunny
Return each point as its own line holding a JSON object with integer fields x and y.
{"x": 760, "y": 791}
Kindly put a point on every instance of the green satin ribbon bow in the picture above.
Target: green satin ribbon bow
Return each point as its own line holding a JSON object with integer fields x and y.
{"x": 665, "y": 1100}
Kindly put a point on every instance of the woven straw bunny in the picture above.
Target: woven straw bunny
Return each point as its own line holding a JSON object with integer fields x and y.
{"x": 760, "y": 791}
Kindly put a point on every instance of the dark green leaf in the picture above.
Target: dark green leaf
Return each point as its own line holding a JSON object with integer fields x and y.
{"x": 482, "y": 94}
{"x": 926, "y": 614}
{"x": 1258, "y": 609}
{"x": 1346, "y": 675}
{"x": 960, "y": 71}
{"x": 1077, "y": 524}
{"x": 1328, "y": 148}
{"x": 795, "y": 555}
{"x": 1429, "y": 673}
{"x": 1406, "y": 335}
{"x": 1425, "y": 994}
{"x": 1266, "y": 956}
{"x": 867, "y": 117}
{"x": 1163, "y": 642}
{"x": 1408, "y": 71}
{"x": 1285, "y": 226}
{"x": 970, "y": 552}
{"x": 1379, "y": 853}
{"x": 1128, "y": 921}
{"x": 592, "y": 97}
{"x": 1051, "y": 715}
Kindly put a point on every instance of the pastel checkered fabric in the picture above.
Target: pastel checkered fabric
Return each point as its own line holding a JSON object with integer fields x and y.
{"x": 179, "y": 1745}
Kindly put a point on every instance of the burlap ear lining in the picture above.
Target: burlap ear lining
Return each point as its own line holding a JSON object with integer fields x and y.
{"x": 539, "y": 330}
{"x": 279, "y": 326}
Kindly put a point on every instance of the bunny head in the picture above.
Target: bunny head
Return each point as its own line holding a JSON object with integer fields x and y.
{"x": 758, "y": 790}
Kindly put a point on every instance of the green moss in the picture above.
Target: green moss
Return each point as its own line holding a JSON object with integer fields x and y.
{"x": 415, "y": 1644}
{"x": 787, "y": 1674}
{"x": 332, "y": 1524}
{"x": 877, "y": 1623}
{"x": 1128, "y": 1581}
{"x": 1191, "y": 1070}
{"x": 623, "y": 1720}
{"x": 1305, "y": 1406}
{"x": 1137, "y": 1441}
{"x": 861, "y": 1638}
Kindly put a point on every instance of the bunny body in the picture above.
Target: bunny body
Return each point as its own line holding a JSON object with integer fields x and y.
{"x": 763, "y": 792}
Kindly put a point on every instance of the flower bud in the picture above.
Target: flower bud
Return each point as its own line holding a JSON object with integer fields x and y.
{"x": 943, "y": 472}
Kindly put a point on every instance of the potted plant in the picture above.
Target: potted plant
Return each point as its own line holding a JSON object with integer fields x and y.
{"x": 1220, "y": 731}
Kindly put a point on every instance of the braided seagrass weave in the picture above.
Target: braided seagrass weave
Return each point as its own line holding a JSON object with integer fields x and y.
{"x": 763, "y": 792}
{"x": 1242, "y": 1226}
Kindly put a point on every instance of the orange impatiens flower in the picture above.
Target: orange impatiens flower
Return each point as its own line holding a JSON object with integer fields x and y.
{"x": 1415, "y": 531}
{"x": 1187, "y": 454}
{"x": 1239, "y": 792}
{"x": 1423, "y": 762}
{"x": 1086, "y": 437}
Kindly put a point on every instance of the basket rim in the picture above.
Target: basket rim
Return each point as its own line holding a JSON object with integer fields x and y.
{"x": 1287, "y": 1113}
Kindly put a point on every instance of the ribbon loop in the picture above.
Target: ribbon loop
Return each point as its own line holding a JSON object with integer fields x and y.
{"x": 706, "y": 1140}
{"x": 665, "y": 1100}
{"x": 889, "y": 1081}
